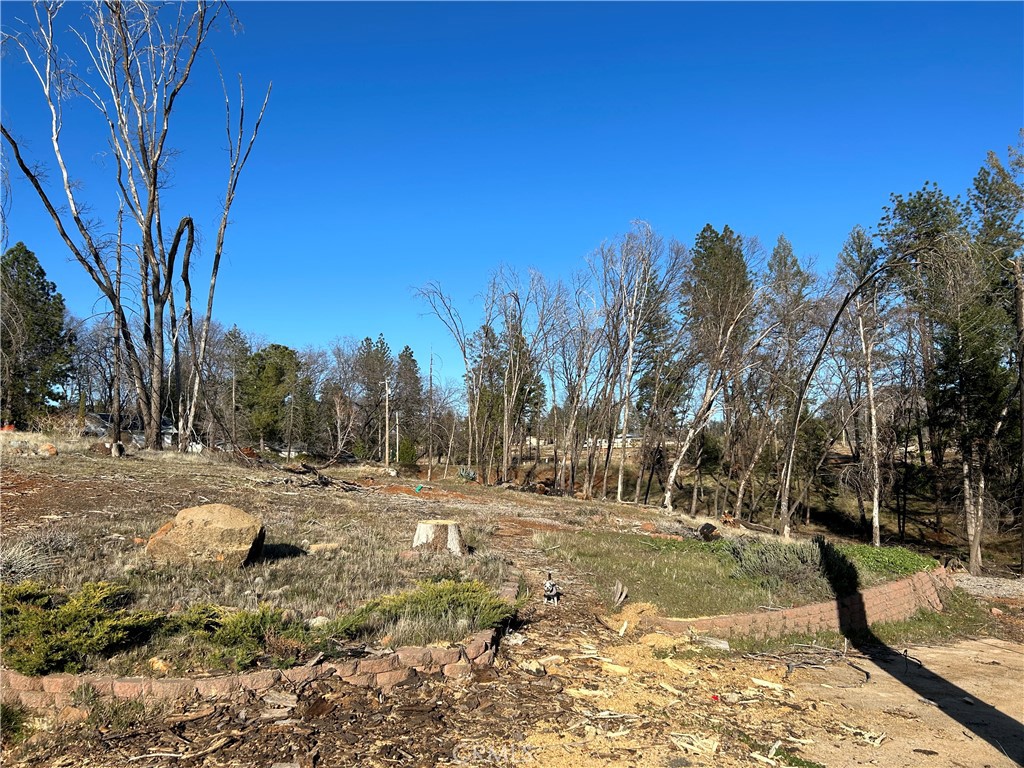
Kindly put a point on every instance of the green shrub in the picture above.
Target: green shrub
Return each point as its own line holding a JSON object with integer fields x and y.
{"x": 243, "y": 635}
{"x": 238, "y": 639}
{"x": 46, "y": 631}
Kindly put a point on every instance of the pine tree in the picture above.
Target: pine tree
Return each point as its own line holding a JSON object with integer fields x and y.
{"x": 267, "y": 385}
{"x": 36, "y": 346}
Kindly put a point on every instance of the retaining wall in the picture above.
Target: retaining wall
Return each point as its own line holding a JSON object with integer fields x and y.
{"x": 894, "y": 601}
{"x": 54, "y": 693}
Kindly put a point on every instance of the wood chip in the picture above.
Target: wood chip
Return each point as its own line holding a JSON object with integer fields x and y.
{"x": 767, "y": 684}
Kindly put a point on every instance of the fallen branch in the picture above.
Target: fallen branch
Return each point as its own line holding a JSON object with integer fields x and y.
{"x": 220, "y": 743}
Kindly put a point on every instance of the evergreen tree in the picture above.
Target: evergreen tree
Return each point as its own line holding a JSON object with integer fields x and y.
{"x": 373, "y": 366}
{"x": 408, "y": 403}
{"x": 266, "y": 387}
{"x": 35, "y": 345}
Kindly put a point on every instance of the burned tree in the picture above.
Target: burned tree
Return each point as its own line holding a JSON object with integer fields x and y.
{"x": 136, "y": 60}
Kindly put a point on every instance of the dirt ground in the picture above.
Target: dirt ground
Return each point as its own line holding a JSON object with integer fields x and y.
{"x": 568, "y": 688}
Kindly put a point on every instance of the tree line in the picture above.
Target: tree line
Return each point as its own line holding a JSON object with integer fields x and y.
{"x": 731, "y": 362}
{"x": 713, "y": 375}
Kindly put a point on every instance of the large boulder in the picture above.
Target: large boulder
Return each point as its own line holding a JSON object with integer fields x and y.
{"x": 216, "y": 533}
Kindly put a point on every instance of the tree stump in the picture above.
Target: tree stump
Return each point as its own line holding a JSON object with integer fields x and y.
{"x": 439, "y": 536}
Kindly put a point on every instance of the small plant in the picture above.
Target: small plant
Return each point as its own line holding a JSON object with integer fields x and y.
{"x": 14, "y": 723}
{"x": 22, "y": 561}
{"x": 467, "y": 474}
{"x": 886, "y": 561}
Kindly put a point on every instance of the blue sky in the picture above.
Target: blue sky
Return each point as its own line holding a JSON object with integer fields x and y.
{"x": 406, "y": 143}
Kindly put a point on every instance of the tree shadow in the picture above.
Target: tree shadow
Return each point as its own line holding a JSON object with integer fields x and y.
{"x": 985, "y": 721}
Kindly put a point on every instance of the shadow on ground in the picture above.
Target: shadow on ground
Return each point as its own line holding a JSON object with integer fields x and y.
{"x": 983, "y": 720}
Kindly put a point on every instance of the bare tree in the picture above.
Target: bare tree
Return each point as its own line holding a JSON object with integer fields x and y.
{"x": 444, "y": 309}
{"x": 629, "y": 273}
{"x": 858, "y": 258}
{"x": 139, "y": 57}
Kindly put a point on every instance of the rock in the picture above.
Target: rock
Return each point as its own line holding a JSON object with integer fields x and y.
{"x": 216, "y": 533}
{"x": 708, "y": 532}
{"x": 317, "y": 621}
{"x": 47, "y": 449}
{"x": 70, "y": 715}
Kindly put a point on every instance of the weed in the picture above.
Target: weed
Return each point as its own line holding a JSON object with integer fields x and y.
{"x": 14, "y": 723}
{"x": 886, "y": 561}
{"x": 777, "y": 754}
{"x": 963, "y": 617}
{"x": 121, "y": 715}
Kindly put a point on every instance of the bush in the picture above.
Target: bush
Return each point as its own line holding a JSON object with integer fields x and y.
{"x": 443, "y": 610}
{"x": 780, "y": 566}
{"x": 239, "y": 639}
{"x": 23, "y": 561}
{"x": 46, "y": 631}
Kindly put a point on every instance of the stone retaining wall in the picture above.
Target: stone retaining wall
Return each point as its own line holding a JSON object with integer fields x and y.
{"x": 53, "y": 693}
{"x": 894, "y": 601}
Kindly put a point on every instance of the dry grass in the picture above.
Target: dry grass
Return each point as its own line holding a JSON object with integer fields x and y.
{"x": 326, "y": 551}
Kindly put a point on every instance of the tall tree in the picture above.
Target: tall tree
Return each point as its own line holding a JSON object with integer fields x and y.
{"x": 768, "y": 390}
{"x": 35, "y": 344}
{"x": 915, "y": 231}
{"x": 409, "y": 405}
{"x": 373, "y": 368}
{"x": 266, "y": 388}
{"x": 858, "y": 264}
{"x": 131, "y": 61}
{"x": 720, "y": 302}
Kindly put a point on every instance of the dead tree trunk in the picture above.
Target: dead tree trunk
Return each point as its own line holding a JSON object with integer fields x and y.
{"x": 439, "y": 536}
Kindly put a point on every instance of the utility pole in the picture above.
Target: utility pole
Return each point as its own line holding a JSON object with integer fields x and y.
{"x": 387, "y": 424}
{"x": 430, "y": 419}
{"x": 398, "y": 439}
